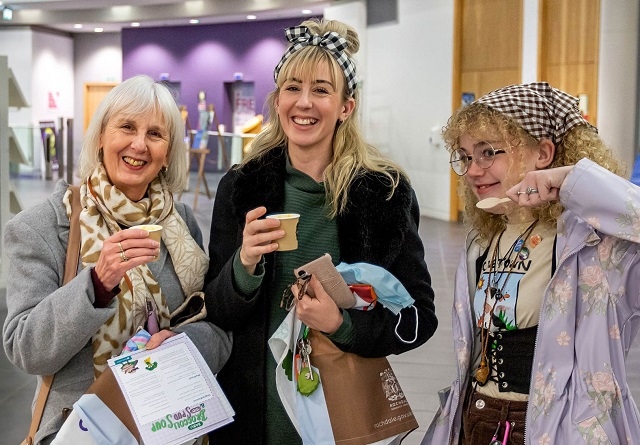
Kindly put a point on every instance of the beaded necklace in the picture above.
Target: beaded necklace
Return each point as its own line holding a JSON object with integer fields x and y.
{"x": 482, "y": 373}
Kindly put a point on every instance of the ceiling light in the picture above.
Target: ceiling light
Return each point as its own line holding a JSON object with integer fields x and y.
{"x": 78, "y": 26}
{"x": 98, "y": 29}
{"x": 7, "y": 14}
{"x": 251, "y": 17}
{"x": 194, "y": 21}
{"x": 306, "y": 11}
{"x": 135, "y": 24}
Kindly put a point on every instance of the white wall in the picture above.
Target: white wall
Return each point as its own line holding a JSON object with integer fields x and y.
{"x": 530, "y": 41}
{"x": 52, "y": 85}
{"x": 16, "y": 45}
{"x": 617, "y": 76}
{"x": 98, "y": 58}
{"x": 407, "y": 94}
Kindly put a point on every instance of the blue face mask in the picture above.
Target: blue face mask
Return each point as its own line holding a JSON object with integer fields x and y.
{"x": 390, "y": 291}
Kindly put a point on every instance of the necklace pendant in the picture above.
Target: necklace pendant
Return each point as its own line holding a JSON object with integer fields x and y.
{"x": 482, "y": 373}
{"x": 495, "y": 293}
{"x": 518, "y": 245}
{"x": 535, "y": 240}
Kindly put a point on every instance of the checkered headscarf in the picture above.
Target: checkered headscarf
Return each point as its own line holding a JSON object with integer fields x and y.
{"x": 544, "y": 111}
{"x": 332, "y": 42}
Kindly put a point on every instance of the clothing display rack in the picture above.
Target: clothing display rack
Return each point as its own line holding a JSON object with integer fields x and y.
{"x": 200, "y": 154}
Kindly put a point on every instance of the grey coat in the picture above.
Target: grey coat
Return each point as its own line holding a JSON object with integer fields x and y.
{"x": 49, "y": 327}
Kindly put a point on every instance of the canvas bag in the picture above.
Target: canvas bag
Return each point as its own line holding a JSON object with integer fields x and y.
{"x": 364, "y": 399}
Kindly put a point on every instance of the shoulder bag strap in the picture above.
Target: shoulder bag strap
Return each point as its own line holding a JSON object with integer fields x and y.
{"x": 70, "y": 271}
{"x": 73, "y": 245}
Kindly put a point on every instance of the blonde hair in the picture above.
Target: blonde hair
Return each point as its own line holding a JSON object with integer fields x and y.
{"x": 352, "y": 156}
{"x": 135, "y": 97}
{"x": 482, "y": 122}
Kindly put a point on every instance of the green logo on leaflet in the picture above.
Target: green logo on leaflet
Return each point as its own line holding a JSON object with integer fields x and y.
{"x": 191, "y": 417}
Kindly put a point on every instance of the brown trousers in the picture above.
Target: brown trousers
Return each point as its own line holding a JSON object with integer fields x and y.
{"x": 481, "y": 417}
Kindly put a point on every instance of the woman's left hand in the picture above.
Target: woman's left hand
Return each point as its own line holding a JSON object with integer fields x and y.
{"x": 319, "y": 312}
{"x": 159, "y": 337}
{"x": 539, "y": 186}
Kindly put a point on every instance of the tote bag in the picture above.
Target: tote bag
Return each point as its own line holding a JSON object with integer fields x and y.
{"x": 364, "y": 399}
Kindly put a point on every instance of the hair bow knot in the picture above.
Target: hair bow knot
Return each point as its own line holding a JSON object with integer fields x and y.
{"x": 332, "y": 42}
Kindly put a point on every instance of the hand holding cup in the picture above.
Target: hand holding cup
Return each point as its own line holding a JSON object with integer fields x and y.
{"x": 155, "y": 233}
{"x": 288, "y": 223}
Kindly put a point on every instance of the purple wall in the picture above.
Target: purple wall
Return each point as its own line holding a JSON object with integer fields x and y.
{"x": 203, "y": 57}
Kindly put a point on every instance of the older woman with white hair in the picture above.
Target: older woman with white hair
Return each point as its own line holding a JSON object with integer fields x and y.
{"x": 132, "y": 161}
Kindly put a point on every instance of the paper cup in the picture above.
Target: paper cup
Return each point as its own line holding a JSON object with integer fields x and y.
{"x": 155, "y": 232}
{"x": 288, "y": 223}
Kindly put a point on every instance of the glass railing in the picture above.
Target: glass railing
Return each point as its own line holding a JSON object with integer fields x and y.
{"x": 26, "y": 150}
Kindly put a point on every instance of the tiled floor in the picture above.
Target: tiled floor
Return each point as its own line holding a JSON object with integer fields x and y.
{"x": 421, "y": 372}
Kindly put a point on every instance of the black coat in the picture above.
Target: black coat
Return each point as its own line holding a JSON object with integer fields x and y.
{"x": 372, "y": 229}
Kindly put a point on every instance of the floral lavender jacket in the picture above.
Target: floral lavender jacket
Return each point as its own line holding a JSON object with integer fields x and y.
{"x": 589, "y": 317}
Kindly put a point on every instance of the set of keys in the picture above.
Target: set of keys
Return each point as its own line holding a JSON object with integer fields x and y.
{"x": 308, "y": 379}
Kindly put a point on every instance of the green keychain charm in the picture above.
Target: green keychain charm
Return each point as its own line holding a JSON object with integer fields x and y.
{"x": 308, "y": 379}
{"x": 308, "y": 383}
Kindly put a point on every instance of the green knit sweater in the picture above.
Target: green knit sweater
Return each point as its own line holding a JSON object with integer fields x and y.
{"x": 317, "y": 235}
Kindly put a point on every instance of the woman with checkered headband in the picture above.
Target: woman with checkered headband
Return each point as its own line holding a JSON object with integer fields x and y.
{"x": 547, "y": 295}
{"x": 356, "y": 205}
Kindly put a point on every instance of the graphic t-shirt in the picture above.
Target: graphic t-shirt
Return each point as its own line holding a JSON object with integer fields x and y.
{"x": 509, "y": 289}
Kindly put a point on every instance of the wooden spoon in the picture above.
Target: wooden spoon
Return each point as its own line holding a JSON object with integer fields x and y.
{"x": 492, "y": 203}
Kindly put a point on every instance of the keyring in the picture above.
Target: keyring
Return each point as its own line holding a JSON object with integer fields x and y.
{"x": 302, "y": 283}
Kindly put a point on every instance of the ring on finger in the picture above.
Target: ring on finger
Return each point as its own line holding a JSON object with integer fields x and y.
{"x": 120, "y": 246}
{"x": 520, "y": 192}
{"x": 123, "y": 257}
{"x": 531, "y": 190}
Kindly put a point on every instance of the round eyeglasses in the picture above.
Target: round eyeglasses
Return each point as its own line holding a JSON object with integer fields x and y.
{"x": 483, "y": 154}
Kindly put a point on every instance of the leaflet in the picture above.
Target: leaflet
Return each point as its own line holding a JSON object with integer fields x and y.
{"x": 171, "y": 392}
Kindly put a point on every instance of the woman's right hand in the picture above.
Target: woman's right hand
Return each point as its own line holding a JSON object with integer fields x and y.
{"x": 257, "y": 238}
{"x": 122, "y": 251}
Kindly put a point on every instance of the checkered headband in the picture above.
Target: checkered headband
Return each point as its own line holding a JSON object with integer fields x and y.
{"x": 544, "y": 111}
{"x": 332, "y": 42}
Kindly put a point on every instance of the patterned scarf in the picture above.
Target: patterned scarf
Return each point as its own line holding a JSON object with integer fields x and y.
{"x": 105, "y": 209}
{"x": 544, "y": 111}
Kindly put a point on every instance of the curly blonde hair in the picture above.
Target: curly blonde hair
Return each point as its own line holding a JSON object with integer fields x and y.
{"x": 352, "y": 156}
{"x": 481, "y": 122}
